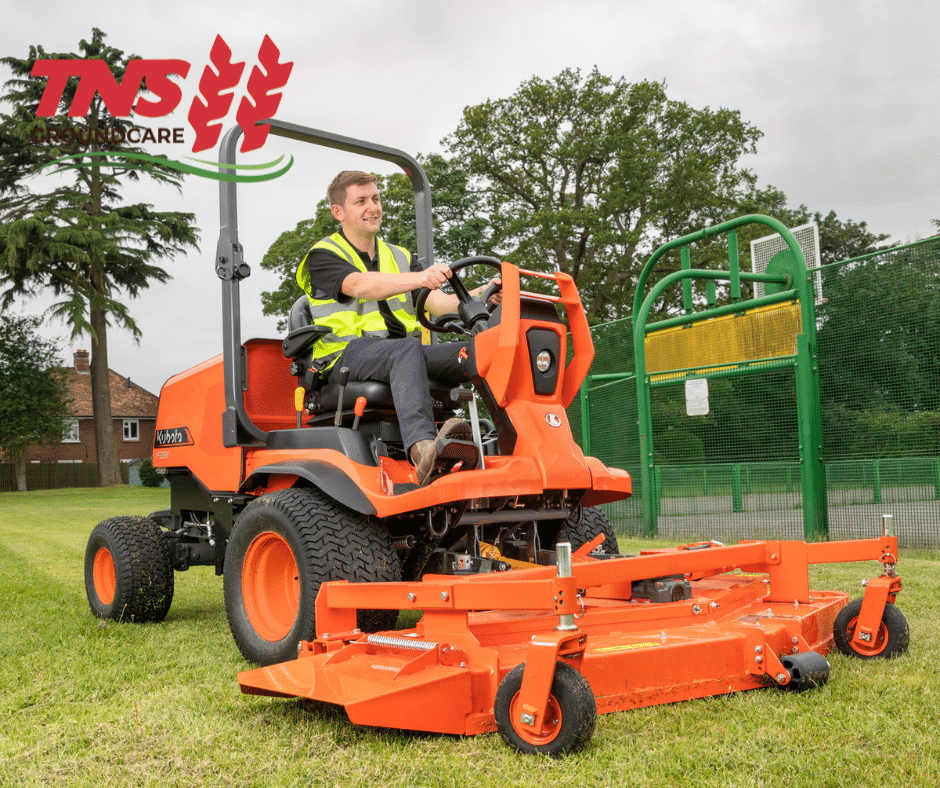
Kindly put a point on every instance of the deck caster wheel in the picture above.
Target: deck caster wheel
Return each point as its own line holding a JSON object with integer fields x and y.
{"x": 128, "y": 570}
{"x": 569, "y": 720}
{"x": 891, "y": 640}
{"x": 807, "y": 671}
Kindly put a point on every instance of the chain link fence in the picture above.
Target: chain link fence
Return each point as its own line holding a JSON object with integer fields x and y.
{"x": 733, "y": 472}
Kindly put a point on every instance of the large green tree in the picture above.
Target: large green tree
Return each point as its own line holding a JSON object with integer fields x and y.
{"x": 73, "y": 234}
{"x": 588, "y": 174}
{"x": 34, "y": 400}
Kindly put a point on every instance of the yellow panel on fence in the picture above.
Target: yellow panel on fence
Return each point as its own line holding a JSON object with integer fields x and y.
{"x": 763, "y": 333}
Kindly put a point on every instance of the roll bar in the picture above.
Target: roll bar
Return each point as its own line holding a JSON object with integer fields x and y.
{"x": 230, "y": 266}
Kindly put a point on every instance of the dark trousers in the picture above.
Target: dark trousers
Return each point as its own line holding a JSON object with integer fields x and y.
{"x": 406, "y": 365}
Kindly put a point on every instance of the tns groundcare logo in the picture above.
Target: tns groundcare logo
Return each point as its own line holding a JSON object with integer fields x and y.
{"x": 208, "y": 110}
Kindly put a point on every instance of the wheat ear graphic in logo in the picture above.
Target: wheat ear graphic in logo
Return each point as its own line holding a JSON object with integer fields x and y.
{"x": 210, "y": 107}
{"x": 213, "y": 105}
{"x": 262, "y": 102}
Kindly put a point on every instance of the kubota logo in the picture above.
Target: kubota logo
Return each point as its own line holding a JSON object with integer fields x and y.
{"x": 207, "y": 112}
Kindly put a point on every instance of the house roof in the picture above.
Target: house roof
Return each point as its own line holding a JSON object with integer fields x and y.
{"x": 128, "y": 400}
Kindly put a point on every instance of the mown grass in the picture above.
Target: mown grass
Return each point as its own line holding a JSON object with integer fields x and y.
{"x": 84, "y": 703}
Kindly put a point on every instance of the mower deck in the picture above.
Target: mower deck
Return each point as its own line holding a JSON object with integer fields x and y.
{"x": 743, "y": 618}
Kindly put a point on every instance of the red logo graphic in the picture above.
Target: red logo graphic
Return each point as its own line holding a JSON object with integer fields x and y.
{"x": 260, "y": 101}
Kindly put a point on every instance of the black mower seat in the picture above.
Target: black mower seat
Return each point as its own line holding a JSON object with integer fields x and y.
{"x": 299, "y": 346}
{"x": 378, "y": 396}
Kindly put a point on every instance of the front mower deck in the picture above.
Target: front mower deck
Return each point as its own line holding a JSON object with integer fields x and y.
{"x": 499, "y": 652}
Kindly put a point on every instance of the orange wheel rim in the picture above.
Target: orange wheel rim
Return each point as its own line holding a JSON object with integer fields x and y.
{"x": 551, "y": 723}
{"x": 872, "y": 649}
{"x": 271, "y": 586}
{"x": 104, "y": 576}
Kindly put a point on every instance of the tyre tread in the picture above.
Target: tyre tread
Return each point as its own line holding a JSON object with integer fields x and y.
{"x": 143, "y": 569}
{"x": 336, "y": 543}
{"x": 594, "y": 522}
{"x": 899, "y": 633}
{"x": 579, "y": 711}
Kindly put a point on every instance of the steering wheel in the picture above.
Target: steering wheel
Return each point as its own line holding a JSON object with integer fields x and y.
{"x": 471, "y": 309}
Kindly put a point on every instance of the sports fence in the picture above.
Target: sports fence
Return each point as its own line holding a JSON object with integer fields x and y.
{"x": 734, "y": 472}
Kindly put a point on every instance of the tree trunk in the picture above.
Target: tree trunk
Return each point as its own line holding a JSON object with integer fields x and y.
{"x": 19, "y": 463}
{"x": 109, "y": 472}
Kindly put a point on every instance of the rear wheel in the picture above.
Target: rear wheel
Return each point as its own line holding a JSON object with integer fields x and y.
{"x": 569, "y": 718}
{"x": 593, "y": 522}
{"x": 282, "y": 547}
{"x": 128, "y": 570}
{"x": 891, "y": 639}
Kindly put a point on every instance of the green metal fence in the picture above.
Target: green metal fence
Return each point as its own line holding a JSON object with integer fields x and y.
{"x": 879, "y": 369}
{"x": 736, "y": 472}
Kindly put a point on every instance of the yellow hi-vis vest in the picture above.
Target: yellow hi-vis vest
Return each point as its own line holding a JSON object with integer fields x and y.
{"x": 357, "y": 317}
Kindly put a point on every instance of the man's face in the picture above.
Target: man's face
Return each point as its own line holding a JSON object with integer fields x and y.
{"x": 361, "y": 213}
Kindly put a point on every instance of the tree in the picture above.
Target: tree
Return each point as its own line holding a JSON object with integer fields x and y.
{"x": 34, "y": 400}
{"x": 588, "y": 175}
{"x": 77, "y": 237}
{"x": 458, "y": 223}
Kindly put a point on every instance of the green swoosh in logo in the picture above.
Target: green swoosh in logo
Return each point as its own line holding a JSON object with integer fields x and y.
{"x": 143, "y": 161}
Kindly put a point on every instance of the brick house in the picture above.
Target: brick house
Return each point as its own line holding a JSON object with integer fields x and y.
{"x": 133, "y": 409}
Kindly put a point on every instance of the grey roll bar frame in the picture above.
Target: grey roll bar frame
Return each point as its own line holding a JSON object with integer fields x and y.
{"x": 230, "y": 266}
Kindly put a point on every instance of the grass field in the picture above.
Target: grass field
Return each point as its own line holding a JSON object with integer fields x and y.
{"x": 83, "y": 703}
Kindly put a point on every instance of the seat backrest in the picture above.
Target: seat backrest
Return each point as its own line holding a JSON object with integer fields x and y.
{"x": 326, "y": 395}
{"x": 300, "y": 314}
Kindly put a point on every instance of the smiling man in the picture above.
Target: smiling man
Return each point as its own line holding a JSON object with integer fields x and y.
{"x": 363, "y": 290}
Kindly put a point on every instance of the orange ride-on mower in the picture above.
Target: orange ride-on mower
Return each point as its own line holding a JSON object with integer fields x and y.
{"x": 537, "y": 655}
{"x": 283, "y": 487}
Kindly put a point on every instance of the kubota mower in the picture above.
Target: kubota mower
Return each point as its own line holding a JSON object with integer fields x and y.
{"x": 537, "y": 655}
{"x": 283, "y": 482}
{"x": 300, "y": 494}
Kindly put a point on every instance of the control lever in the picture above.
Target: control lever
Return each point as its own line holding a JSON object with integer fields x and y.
{"x": 343, "y": 380}
{"x": 358, "y": 410}
{"x": 299, "y": 404}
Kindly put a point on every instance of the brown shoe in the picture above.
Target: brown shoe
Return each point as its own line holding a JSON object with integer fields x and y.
{"x": 427, "y": 466}
{"x": 422, "y": 457}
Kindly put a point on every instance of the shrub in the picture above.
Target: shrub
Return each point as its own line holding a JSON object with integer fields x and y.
{"x": 150, "y": 476}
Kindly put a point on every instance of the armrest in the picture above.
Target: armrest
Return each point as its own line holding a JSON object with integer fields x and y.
{"x": 300, "y": 339}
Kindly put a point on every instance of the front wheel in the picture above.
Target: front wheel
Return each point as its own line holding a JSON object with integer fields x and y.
{"x": 128, "y": 570}
{"x": 569, "y": 719}
{"x": 282, "y": 548}
{"x": 593, "y": 522}
{"x": 891, "y": 640}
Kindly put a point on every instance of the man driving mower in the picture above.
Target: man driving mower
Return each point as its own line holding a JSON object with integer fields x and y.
{"x": 362, "y": 289}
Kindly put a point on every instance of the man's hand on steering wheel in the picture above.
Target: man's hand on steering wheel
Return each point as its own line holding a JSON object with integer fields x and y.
{"x": 471, "y": 310}
{"x": 492, "y": 294}
{"x": 436, "y": 276}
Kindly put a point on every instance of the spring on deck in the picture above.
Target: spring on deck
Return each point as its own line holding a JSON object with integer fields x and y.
{"x": 407, "y": 643}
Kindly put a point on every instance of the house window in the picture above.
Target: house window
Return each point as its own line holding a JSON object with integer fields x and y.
{"x": 131, "y": 430}
{"x": 70, "y": 431}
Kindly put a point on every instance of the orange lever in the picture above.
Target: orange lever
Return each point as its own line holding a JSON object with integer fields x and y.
{"x": 359, "y": 409}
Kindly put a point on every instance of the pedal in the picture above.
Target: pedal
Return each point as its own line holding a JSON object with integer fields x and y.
{"x": 450, "y": 452}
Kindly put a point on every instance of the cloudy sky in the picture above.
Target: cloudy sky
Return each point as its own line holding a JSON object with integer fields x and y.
{"x": 847, "y": 95}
